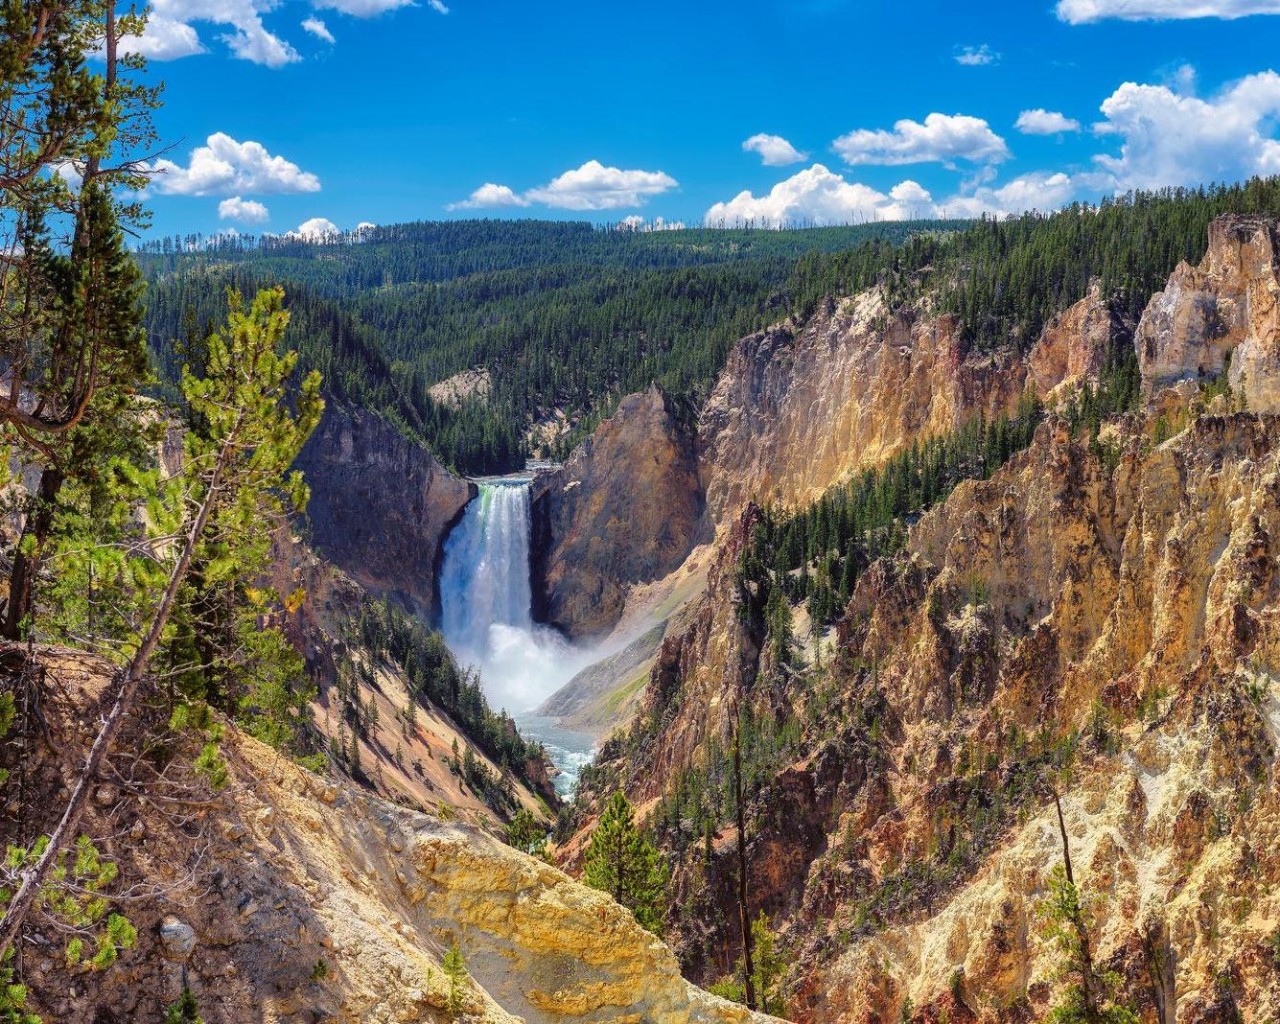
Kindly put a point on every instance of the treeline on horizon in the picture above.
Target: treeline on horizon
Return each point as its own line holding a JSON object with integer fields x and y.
{"x": 569, "y": 317}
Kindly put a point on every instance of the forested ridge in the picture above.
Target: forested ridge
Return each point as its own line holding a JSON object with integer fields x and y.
{"x": 570, "y": 317}
{"x": 564, "y": 316}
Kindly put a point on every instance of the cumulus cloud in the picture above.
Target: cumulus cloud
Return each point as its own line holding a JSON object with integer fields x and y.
{"x": 171, "y": 33}
{"x": 489, "y": 196}
{"x": 817, "y": 195}
{"x": 976, "y": 56}
{"x": 225, "y": 167}
{"x": 774, "y": 150}
{"x": 318, "y": 29}
{"x": 1042, "y": 190}
{"x": 171, "y": 27}
{"x": 1168, "y": 138}
{"x": 1045, "y": 122}
{"x": 593, "y": 186}
{"x": 943, "y": 138}
{"x": 246, "y": 211}
{"x": 164, "y": 39}
{"x": 317, "y": 229}
{"x": 1080, "y": 12}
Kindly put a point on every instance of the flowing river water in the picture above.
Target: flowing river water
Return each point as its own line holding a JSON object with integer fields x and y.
{"x": 486, "y": 616}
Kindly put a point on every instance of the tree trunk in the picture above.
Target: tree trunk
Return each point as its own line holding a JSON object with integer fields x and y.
{"x": 1088, "y": 979}
{"x": 1162, "y": 966}
{"x": 131, "y": 678}
{"x": 26, "y": 562}
{"x": 744, "y": 915}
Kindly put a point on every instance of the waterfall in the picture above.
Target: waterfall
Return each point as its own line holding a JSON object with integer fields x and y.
{"x": 487, "y": 602}
{"x": 485, "y": 577}
{"x": 486, "y": 617}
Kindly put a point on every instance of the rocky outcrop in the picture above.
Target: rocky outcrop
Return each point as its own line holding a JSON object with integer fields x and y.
{"x": 1138, "y": 605}
{"x": 1125, "y": 611}
{"x": 1111, "y": 603}
{"x": 380, "y": 505}
{"x": 1076, "y": 345}
{"x": 802, "y": 406}
{"x": 296, "y": 898}
{"x": 1222, "y": 312}
{"x": 627, "y": 508}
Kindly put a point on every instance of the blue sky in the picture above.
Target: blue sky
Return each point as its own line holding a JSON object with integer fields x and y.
{"x": 859, "y": 109}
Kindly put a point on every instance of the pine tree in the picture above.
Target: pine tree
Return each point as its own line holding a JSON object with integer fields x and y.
{"x": 184, "y": 1011}
{"x": 455, "y": 969}
{"x": 624, "y": 863}
{"x": 232, "y": 480}
{"x": 1090, "y": 993}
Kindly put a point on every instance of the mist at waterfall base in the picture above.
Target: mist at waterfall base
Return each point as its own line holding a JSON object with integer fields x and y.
{"x": 486, "y": 616}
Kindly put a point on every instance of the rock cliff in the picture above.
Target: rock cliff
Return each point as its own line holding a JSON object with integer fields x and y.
{"x": 1220, "y": 315}
{"x": 801, "y": 406}
{"x": 626, "y": 508}
{"x": 380, "y": 506}
{"x": 294, "y": 898}
{"x": 797, "y": 408}
{"x": 1107, "y": 603}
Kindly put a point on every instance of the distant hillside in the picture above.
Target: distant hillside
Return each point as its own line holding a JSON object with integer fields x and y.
{"x": 565, "y": 316}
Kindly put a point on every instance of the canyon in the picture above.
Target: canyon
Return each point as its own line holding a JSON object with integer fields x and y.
{"x": 1095, "y": 616}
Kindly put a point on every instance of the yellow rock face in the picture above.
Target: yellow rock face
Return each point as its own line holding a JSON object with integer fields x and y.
{"x": 314, "y": 901}
{"x": 802, "y": 406}
{"x": 1126, "y": 592}
{"x": 1226, "y": 306}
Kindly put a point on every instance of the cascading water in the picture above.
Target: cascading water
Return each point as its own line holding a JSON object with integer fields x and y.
{"x": 486, "y": 617}
{"x": 484, "y": 585}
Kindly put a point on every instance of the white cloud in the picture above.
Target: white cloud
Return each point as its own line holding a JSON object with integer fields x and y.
{"x": 1045, "y": 122}
{"x": 362, "y": 8}
{"x": 976, "y": 56}
{"x": 318, "y": 29}
{"x": 226, "y": 167}
{"x": 910, "y": 192}
{"x": 171, "y": 27}
{"x": 596, "y": 187}
{"x": 1173, "y": 139}
{"x": 489, "y": 196}
{"x": 171, "y": 33}
{"x": 942, "y": 138}
{"x": 164, "y": 39}
{"x": 774, "y": 150}
{"x": 246, "y": 211}
{"x": 819, "y": 196}
{"x": 1042, "y": 190}
{"x": 1079, "y": 12}
{"x": 317, "y": 229}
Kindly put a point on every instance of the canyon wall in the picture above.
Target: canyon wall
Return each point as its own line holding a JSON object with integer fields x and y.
{"x": 1224, "y": 310}
{"x": 1108, "y": 603}
{"x": 380, "y": 506}
{"x": 626, "y": 508}
{"x": 298, "y": 898}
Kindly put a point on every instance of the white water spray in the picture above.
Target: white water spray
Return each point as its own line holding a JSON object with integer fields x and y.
{"x": 487, "y": 617}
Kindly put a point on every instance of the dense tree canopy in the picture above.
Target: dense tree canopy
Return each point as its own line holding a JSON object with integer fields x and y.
{"x": 568, "y": 316}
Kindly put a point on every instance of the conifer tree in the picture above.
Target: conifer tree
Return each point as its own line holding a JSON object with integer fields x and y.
{"x": 233, "y": 479}
{"x": 624, "y": 863}
{"x": 70, "y": 318}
